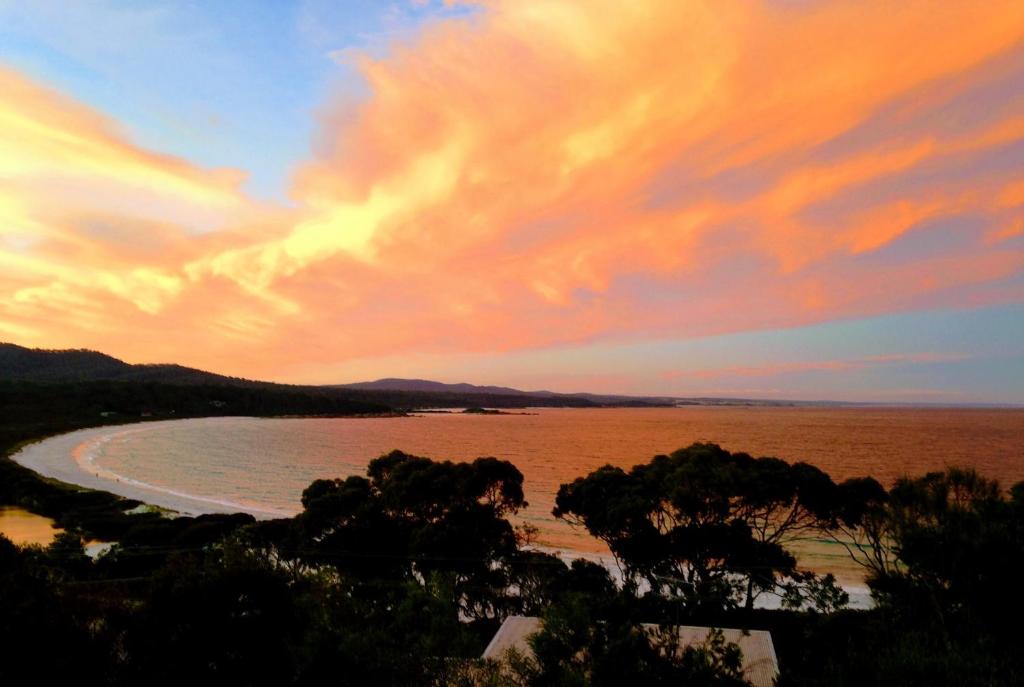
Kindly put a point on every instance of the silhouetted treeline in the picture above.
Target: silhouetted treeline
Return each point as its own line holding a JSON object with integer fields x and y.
{"x": 26, "y": 404}
{"x": 401, "y": 576}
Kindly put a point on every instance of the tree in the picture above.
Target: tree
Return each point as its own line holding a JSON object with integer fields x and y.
{"x": 599, "y": 642}
{"x": 958, "y": 542}
{"x": 704, "y": 522}
{"x": 223, "y": 615}
{"x": 944, "y": 553}
{"x": 860, "y": 523}
{"x": 441, "y": 524}
{"x": 37, "y": 615}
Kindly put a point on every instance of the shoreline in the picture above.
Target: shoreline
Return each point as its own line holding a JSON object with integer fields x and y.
{"x": 65, "y": 458}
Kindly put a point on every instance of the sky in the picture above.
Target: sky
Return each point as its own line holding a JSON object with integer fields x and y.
{"x": 793, "y": 199}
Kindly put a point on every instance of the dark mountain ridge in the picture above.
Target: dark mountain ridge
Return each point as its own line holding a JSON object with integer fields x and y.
{"x": 42, "y": 366}
{"x": 19, "y": 364}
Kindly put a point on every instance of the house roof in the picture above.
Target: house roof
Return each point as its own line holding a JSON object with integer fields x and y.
{"x": 760, "y": 666}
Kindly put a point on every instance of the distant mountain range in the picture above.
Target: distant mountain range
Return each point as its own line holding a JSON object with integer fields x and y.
{"x": 398, "y": 384}
{"x": 20, "y": 364}
{"x": 428, "y": 386}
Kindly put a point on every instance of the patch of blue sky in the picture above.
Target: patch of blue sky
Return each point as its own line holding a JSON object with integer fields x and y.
{"x": 232, "y": 83}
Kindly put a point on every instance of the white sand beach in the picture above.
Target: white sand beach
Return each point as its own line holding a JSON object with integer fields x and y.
{"x": 70, "y": 458}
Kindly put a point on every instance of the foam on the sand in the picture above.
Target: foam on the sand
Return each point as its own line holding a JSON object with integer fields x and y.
{"x": 72, "y": 458}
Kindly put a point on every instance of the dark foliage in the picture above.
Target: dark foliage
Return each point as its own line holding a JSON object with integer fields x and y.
{"x": 75, "y": 367}
{"x": 400, "y": 577}
{"x": 705, "y": 523}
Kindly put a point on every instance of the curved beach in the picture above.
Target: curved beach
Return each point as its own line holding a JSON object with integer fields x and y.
{"x": 70, "y": 458}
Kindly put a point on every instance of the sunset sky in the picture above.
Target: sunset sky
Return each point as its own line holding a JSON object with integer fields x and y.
{"x": 783, "y": 199}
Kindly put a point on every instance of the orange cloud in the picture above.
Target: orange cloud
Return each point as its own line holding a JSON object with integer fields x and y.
{"x": 77, "y": 201}
{"x": 51, "y": 141}
{"x": 545, "y": 173}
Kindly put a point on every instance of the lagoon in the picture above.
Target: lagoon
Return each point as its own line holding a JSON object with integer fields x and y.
{"x": 26, "y": 528}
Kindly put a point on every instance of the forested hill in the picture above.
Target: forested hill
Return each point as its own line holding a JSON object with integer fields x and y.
{"x": 18, "y": 363}
{"x": 85, "y": 368}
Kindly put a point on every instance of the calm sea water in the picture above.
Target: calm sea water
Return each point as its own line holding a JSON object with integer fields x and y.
{"x": 266, "y": 463}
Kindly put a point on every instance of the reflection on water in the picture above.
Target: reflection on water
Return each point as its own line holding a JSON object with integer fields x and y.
{"x": 25, "y": 528}
{"x": 266, "y": 463}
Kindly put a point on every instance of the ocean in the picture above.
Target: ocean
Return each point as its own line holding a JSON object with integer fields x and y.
{"x": 262, "y": 465}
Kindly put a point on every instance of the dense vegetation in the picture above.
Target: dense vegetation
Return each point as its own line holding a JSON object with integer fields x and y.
{"x": 73, "y": 368}
{"x": 401, "y": 576}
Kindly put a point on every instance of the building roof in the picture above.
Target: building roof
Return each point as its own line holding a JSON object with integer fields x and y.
{"x": 760, "y": 666}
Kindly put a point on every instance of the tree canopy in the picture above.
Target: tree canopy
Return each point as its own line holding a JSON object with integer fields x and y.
{"x": 706, "y": 523}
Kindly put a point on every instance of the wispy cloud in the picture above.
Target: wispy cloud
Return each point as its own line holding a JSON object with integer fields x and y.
{"x": 546, "y": 173}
